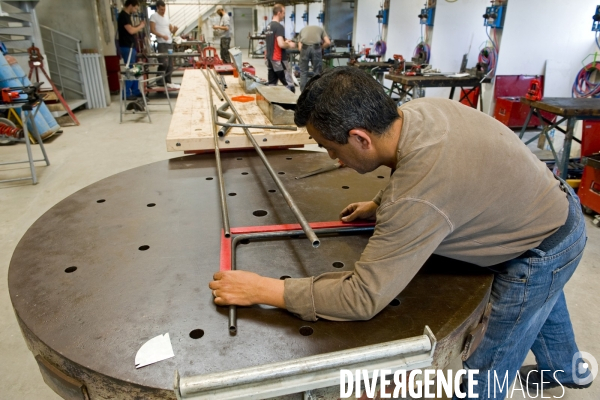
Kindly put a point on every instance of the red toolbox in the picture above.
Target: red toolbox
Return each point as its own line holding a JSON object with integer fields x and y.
{"x": 589, "y": 189}
{"x": 590, "y": 138}
{"x": 509, "y": 110}
{"x": 512, "y": 113}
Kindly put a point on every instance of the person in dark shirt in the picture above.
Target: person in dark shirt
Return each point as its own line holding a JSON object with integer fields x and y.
{"x": 277, "y": 62}
{"x": 127, "y": 43}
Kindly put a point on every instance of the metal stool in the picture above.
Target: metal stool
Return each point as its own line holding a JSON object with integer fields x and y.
{"x": 33, "y": 109}
{"x": 126, "y": 76}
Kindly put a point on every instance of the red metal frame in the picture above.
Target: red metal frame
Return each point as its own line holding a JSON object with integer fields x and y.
{"x": 225, "y": 261}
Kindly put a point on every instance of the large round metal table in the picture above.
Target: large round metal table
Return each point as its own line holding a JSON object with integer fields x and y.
{"x": 130, "y": 257}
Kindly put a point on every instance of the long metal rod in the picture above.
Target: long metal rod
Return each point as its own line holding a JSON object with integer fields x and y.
{"x": 310, "y": 372}
{"x": 224, "y": 211}
{"x": 310, "y": 234}
{"x": 275, "y": 235}
{"x": 214, "y": 88}
{"x": 276, "y": 127}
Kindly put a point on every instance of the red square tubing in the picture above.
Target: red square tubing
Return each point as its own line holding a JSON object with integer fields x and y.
{"x": 225, "y": 262}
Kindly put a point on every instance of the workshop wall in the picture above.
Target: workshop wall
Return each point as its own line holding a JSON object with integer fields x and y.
{"x": 313, "y": 12}
{"x": 262, "y": 12}
{"x": 72, "y": 17}
{"x": 339, "y": 17}
{"x": 75, "y": 18}
{"x": 458, "y": 26}
{"x": 404, "y": 30}
{"x": 366, "y": 27}
{"x": 290, "y": 26}
{"x": 562, "y": 34}
{"x": 300, "y": 23}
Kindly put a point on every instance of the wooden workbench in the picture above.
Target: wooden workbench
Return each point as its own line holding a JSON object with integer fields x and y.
{"x": 191, "y": 127}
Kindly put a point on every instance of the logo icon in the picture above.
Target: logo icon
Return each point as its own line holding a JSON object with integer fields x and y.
{"x": 584, "y": 368}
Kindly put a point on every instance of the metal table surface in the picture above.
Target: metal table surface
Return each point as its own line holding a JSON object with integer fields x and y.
{"x": 404, "y": 85}
{"x": 568, "y": 110}
{"x": 130, "y": 257}
{"x": 567, "y": 106}
{"x": 434, "y": 81}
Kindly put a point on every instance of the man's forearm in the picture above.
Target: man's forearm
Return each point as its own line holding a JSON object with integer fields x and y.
{"x": 271, "y": 292}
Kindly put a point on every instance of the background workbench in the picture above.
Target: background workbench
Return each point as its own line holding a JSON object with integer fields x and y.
{"x": 192, "y": 124}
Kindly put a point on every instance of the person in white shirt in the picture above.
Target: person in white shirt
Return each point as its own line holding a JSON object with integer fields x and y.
{"x": 163, "y": 30}
{"x": 223, "y": 31}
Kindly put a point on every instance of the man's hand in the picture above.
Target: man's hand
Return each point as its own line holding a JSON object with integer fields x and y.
{"x": 243, "y": 288}
{"x": 362, "y": 210}
{"x": 291, "y": 43}
{"x": 166, "y": 37}
{"x": 142, "y": 24}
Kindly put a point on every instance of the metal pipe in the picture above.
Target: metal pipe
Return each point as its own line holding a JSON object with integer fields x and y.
{"x": 273, "y": 235}
{"x": 226, "y": 127}
{"x": 310, "y": 234}
{"x": 230, "y": 119}
{"x": 212, "y": 85}
{"x": 224, "y": 211}
{"x": 282, "y": 127}
{"x": 401, "y": 353}
{"x": 224, "y": 114}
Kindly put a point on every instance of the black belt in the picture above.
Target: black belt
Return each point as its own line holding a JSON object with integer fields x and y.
{"x": 316, "y": 46}
{"x": 572, "y": 219}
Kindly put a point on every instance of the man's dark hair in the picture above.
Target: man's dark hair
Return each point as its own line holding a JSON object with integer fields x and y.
{"x": 160, "y": 3}
{"x": 344, "y": 98}
{"x": 277, "y": 8}
{"x": 132, "y": 3}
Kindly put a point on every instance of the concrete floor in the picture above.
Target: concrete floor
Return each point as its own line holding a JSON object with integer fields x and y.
{"x": 101, "y": 147}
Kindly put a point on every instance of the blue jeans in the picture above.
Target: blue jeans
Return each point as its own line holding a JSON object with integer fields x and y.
{"x": 529, "y": 311}
{"x": 132, "y": 88}
{"x": 313, "y": 54}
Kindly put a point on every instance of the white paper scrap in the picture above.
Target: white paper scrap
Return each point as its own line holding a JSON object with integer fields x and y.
{"x": 154, "y": 350}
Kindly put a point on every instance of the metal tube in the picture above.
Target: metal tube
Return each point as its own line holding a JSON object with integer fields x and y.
{"x": 230, "y": 119}
{"x": 224, "y": 211}
{"x": 280, "y": 371}
{"x": 218, "y": 92}
{"x": 273, "y": 235}
{"x": 227, "y": 126}
{"x": 310, "y": 234}
{"x": 224, "y": 114}
{"x": 282, "y": 127}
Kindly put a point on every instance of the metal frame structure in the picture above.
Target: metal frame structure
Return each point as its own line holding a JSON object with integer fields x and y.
{"x": 123, "y": 79}
{"x": 228, "y": 244}
{"x": 30, "y": 116}
{"x": 288, "y": 198}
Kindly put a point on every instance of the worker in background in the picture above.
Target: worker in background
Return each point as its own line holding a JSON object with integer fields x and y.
{"x": 223, "y": 31}
{"x": 163, "y": 30}
{"x": 311, "y": 42}
{"x": 496, "y": 206}
{"x": 277, "y": 62}
{"x": 127, "y": 44}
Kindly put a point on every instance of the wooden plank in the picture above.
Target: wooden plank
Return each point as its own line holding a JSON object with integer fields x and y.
{"x": 191, "y": 125}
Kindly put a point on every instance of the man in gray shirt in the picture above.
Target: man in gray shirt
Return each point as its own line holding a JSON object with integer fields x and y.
{"x": 223, "y": 31}
{"x": 311, "y": 41}
{"x": 463, "y": 186}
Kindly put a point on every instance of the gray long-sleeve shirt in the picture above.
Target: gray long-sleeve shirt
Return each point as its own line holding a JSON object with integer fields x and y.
{"x": 465, "y": 187}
